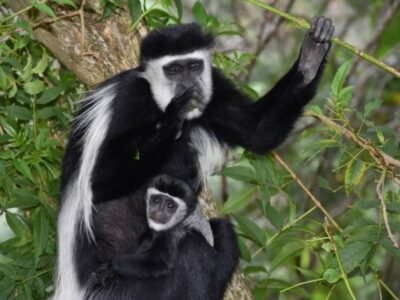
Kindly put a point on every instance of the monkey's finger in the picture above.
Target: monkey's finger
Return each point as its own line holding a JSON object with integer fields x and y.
{"x": 330, "y": 33}
{"x": 320, "y": 24}
{"x": 325, "y": 29}
{"x": 313, "y": 24}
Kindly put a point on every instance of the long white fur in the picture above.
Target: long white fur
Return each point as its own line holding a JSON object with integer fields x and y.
{"x": 76, "y": 211}
{"x": 163, "y": 89}
{"x": 211, "y": 154}
{"x": 176, "y": 218}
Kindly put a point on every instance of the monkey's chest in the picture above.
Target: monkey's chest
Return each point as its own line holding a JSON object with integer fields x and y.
{"x": 195, "y": 156}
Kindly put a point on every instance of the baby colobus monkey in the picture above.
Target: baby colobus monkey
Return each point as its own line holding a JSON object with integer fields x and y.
{"x": 172, "y": 260}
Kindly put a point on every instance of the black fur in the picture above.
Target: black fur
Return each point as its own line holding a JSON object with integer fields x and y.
{"x": 172, "y": 40}
{"x": 174, "y": 264}
{"x": 230, "y": 116}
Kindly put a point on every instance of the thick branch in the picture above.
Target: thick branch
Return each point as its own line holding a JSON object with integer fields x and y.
{"x": 109, "y": 47}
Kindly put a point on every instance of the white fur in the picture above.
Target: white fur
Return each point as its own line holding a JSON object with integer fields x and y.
{"x": 176, "y": 218}
{"x": 76, "y": 210}
{"x": 163, "y": 89}
{"x": 211, "y": 154}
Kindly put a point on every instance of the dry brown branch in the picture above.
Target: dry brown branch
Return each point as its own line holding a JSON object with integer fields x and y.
{"x": 384, "y": 161}
{"x": 379, "y": 188}
{"x": 307, "y": 191}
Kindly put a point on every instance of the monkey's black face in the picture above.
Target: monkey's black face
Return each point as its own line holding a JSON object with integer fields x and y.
{"x": 161, "y": 208}
{"x": 173, "y": 75}
{"x": 187, "y": 75}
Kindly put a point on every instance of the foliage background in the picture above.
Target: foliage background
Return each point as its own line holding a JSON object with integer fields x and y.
{"x": 315, "y": 229}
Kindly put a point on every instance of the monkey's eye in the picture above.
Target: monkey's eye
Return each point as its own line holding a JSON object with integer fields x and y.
{"x": 194, "y": 66}
{"x": 174, "y": 69}
{"x": 155, "y": 200}
{"x": 170, "y": 205}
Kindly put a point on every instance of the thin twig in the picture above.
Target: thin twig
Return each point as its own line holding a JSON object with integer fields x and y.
{"x": 384, "y": 160}
{"x": 379, "y": 192}
{"x": 307, "y": 191}
{"x": 56, "y": 19}
{"x": 265, "y": 37}
{"x": 335, "y": 250}
{"x": 304, "y": 24}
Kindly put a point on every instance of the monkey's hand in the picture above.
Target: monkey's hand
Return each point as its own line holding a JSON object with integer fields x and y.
{"x": 315, "y": 47}
{"x": 175, "y": 113}
{"x": 180, "y": 105}
{"x": 103, "y": 274}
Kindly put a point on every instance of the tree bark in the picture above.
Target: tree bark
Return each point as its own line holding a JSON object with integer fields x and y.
{"x": 108, "y": 47}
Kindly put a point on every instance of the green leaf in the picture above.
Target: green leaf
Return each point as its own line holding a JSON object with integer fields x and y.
{"x": 242, "y": 173}
{"x": 44, "y": 9}
{"x": 3, "y": 80}
{"x": 65, "y": 2}
{"x": 17, "y": 225}
{"x": 26, "y": 74}
{"x": 49, "y": 95}
{"x": 288, "y": 251}
{"x": 316, "y": 109}
{"x": 34, "y": 87}
{"x": 41, "y": 230}
{"x": 380, "y": 136}
{"x": 25, "y": 26}
{"x": 340, "y": 76}
{"x": 345, "y": 95}
{"x": 23, "y": 168}
{"x": 355, "y": 170}
{"x": 48, "y": 112}
{"x": 23, "y": 198}
{"x": 8, "y": 129}
{"x": 254, "y": 269}
{"x": 42, "y": 64}
{"x": 245, "y": 253}
{"x": 237, "y": 201}
{"x": 135, "y": 9}
{"x": 199, "y": 13}
{"x": 273, "y": 215}
{"x": 18, "y": 112}
{"x": 388, "y": 245}
{"x": 353, "y": 254}
{"x": 331, "y": 275}
{"x": 251, "y": 229}
{"x": 179, "y": 9}
{"x": 371, "y": 106}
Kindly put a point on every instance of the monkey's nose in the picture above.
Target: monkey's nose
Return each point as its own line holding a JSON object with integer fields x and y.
{"x": 158, "y": 217}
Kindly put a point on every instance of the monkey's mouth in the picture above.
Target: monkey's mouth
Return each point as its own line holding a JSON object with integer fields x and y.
{"x": 158, "y": 218}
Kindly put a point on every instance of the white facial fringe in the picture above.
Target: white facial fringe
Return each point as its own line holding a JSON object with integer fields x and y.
{"x": 163, "y": 89}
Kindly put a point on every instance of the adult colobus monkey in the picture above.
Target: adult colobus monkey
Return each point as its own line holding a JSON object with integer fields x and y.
{"x": 171, "y": 115}
{"x": 171, "y": 260}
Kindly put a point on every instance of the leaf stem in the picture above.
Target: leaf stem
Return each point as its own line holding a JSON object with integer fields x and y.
{"x": 301, "y": 284}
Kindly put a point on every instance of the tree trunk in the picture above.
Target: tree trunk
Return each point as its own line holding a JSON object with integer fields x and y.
{"x": 107, "y": 48}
